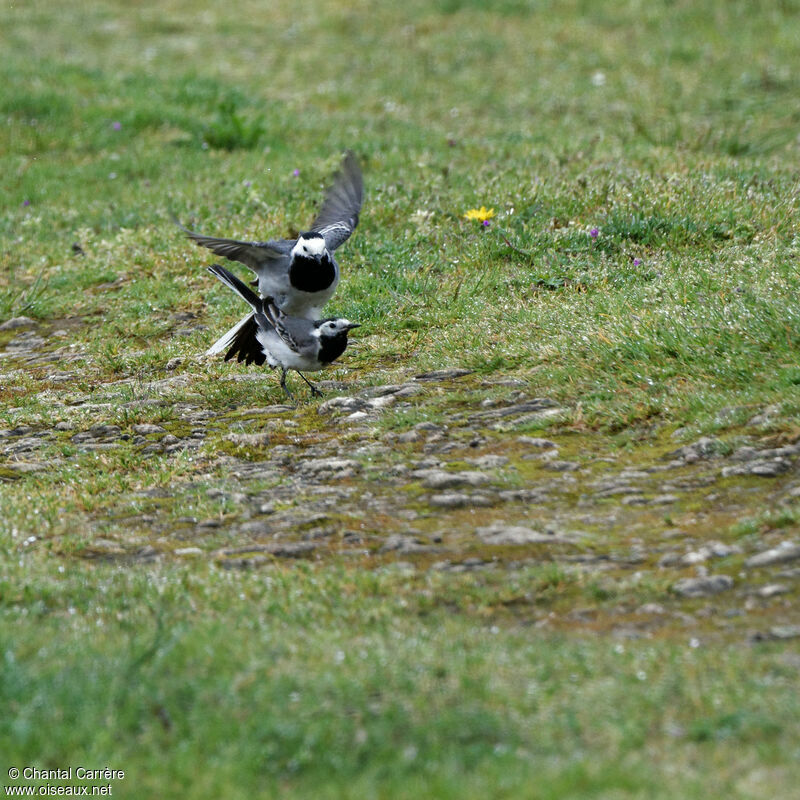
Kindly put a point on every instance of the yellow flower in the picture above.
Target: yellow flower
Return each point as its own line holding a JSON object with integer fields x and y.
{"x": 481, "y": 214}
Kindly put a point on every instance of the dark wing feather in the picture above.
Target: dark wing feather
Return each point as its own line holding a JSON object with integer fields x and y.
{"x": 338, "y": 217}
{"x": 245, "y": 346}
{"x": 252, "y": 254}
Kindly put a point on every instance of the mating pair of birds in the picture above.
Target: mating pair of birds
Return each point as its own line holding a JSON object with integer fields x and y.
{"x": 295, "y": 278}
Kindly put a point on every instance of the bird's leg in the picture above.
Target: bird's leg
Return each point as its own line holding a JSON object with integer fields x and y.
{"x": 314, "y": 391}
{"x": 283, "y": 384}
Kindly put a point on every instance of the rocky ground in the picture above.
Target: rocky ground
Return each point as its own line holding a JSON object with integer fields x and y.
{"x": 665, "y": 535}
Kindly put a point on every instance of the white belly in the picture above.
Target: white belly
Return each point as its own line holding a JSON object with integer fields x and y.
{"x": 307, "y": 305}
{"x": 279, "y": 354}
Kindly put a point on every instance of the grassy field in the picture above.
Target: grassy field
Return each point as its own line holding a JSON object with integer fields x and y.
{"x": 640, "y": 272}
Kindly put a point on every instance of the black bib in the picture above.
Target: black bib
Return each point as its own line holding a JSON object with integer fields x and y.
{"x": 310, "y": 275}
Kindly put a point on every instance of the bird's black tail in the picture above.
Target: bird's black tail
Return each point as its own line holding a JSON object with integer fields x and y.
{"x": 244, "y": 291}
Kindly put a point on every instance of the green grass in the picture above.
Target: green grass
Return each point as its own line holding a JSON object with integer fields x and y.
{"x": 669, "y": 127}
{"x": 257, "y": 683}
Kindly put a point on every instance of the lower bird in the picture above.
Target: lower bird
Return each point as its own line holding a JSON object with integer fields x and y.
{"x": 283, "y": 341}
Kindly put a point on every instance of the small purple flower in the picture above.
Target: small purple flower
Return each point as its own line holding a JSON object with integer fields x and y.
{"x": 296, "y": 172}
{"x": 486, "y": 223}
{"x": 247, "y": 184}
{"x": 117, "y": 126}
{"x": 594, "y": 233}
{"x": 26, "y": 202}
{"x": 637, "y": 262}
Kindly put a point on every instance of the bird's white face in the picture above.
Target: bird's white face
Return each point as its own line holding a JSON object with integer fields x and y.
{"x": 313, "y": 247}
{"x": 332, "y": 327}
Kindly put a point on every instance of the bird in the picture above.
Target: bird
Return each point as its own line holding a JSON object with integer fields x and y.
{"x": 284, "y": 341}
{"x": 299, "y": 275}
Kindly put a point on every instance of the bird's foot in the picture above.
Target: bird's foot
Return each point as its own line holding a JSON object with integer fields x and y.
{"x": 315, "y": 392}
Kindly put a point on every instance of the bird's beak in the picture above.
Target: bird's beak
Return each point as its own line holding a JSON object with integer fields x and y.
{"x": 353, "y": 325}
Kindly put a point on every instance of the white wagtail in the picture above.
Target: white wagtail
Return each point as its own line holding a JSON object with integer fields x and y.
{"x": 283, "y": 341}
{"x": 300, "y": 275}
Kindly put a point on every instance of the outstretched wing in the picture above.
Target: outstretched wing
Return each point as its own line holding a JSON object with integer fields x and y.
{"x": 255, "y": 255}
{"x": 338, "y": 217}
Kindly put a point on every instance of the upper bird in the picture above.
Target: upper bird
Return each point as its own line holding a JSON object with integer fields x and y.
{"x": 301, "y": 274}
